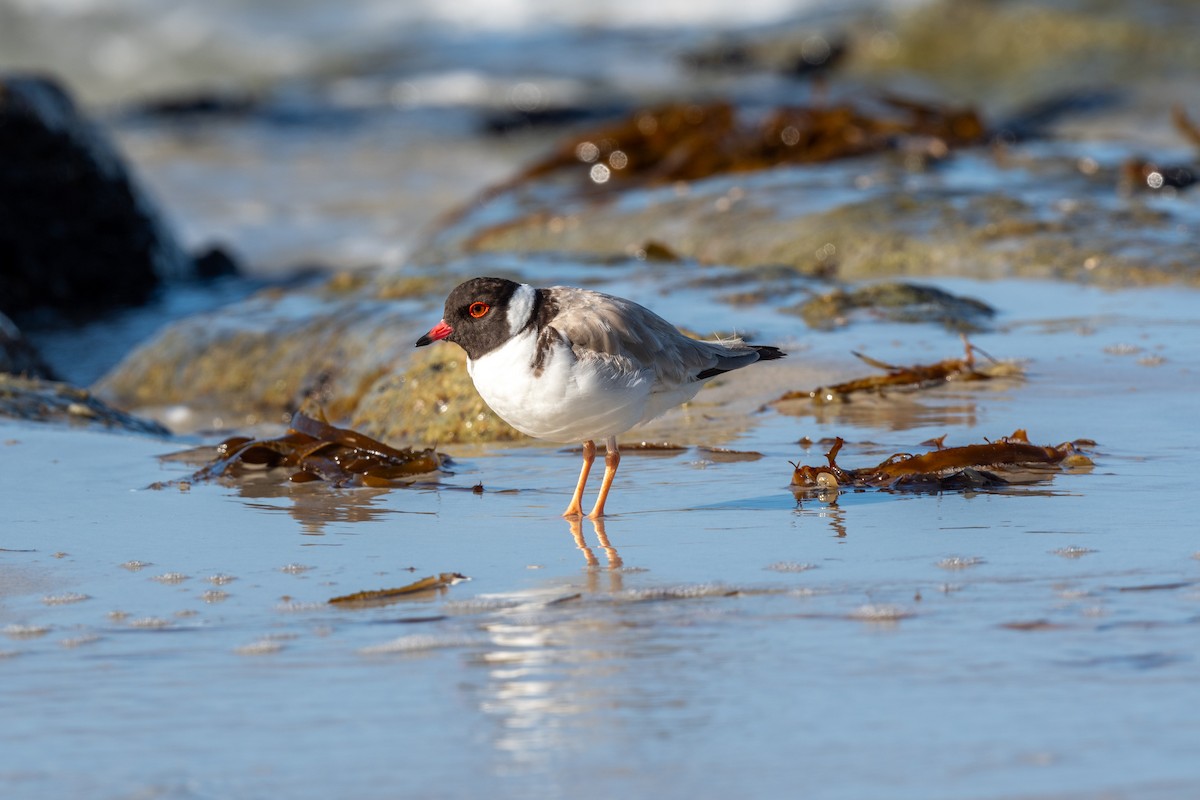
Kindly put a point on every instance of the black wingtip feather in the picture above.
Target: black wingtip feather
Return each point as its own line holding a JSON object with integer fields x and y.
{"x": 768, "y": 353}
{"x": 765, "y": 353}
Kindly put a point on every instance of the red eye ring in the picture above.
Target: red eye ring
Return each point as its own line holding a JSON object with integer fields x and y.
{"x": 478, "y": 309}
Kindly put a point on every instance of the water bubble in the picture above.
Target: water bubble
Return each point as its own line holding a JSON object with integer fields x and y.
{"x": 16, "y": 631}
{"x": 418, "y": 643}
{"x": 587, "y": 152}
{"x": 150, "y": 623}
{"x": 815, "y": 50}
{"x": 880, "y": 613}
{"x": 599, "y": 173}
{"x": 789, "y": 566}
{"x": 959, "y": 562}
{"x": 79, "y": 641}
{"x": 1074, "y": 551}
{"x": 647, "y": 124}
{"x": 884, "y": 45}
{"x": 526, "y": 96}
{"x": 64, "y": 599}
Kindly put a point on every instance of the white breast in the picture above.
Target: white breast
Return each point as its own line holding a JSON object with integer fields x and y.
{"x": 571, "y": 400}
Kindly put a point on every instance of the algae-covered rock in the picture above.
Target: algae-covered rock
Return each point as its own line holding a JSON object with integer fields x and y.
{"x": 1016, "y": 53}
{"x": 262, "y": 359}
{"x": 433, "y": 402}
{"x": 871, "y": 221}
{"x": 344, "y": 350}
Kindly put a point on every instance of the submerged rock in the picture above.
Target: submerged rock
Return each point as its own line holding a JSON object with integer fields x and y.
{"x": 899, "y": 302}
{"x": 75, "y": 230}
{"x": 37, "y": 400}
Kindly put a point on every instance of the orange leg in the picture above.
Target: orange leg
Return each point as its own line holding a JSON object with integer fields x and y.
{"x": 612, "y": 459}
{"x": 589, "y": 455}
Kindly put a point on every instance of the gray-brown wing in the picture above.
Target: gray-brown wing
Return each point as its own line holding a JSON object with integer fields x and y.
{"x": 634, "y": 338}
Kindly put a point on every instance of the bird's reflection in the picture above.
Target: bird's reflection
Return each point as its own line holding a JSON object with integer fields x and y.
{"x": 558, "y": 663}
{"x": 612, "y": 557}
{"x": 610, "y": 553}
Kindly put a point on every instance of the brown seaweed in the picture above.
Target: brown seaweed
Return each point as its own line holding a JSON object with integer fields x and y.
{"x": 916, "y": 376}
{"x": 1149, "y": 174}
{"x": 316, "y": 450}
{"x": 377, "y": 596}
{"x": 945, "y": 467}
{"x": 691, "y": 141}
{"x": 1184, "y": 125}
{"x": 1139, "y": 173}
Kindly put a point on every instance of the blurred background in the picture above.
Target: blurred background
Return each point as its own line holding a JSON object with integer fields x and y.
{"x": 278, "y": 140}
{"x": 333, "y": 132}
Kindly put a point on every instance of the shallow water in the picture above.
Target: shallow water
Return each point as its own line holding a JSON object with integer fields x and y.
{"x": 1038, "y": 641}
{"x": 716, "y": 636}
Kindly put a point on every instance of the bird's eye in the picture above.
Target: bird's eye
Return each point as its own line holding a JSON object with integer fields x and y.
{"x": 478, "y": 309}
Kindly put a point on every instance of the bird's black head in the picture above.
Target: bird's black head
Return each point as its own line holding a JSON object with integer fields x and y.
{"x": 477, "y": 316}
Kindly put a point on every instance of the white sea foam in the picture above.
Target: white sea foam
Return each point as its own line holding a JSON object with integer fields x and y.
{"x": 116, "y": 49}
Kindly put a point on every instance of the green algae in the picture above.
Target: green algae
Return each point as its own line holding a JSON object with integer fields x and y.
{"x": 1016, "y": 53}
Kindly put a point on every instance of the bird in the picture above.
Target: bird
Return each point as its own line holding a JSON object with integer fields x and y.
{"x": 565, "y": 364}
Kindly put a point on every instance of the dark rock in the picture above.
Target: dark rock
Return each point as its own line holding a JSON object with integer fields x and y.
{"x": 202, "y": 104}
{"x": 76, "y": 233}
{"x": 17, "y": 355}
{"x": 506, "y": 121}
{"x": 899, "y": 302}
{"x": 215, "y": 262}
